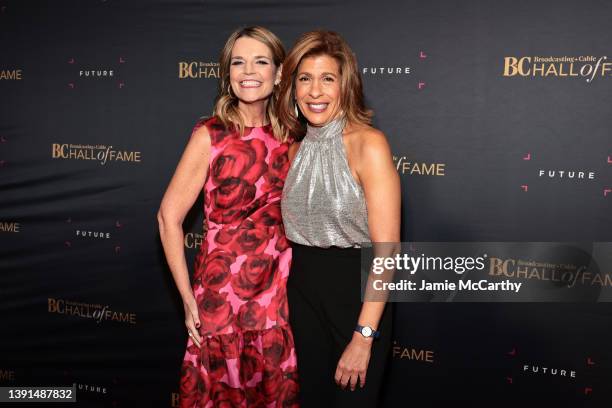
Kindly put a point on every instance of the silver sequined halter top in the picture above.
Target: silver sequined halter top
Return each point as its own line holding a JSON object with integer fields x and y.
{"x": 322, "y": 203}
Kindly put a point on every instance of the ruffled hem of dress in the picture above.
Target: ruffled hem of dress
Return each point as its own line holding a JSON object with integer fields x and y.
{"x": 253, "y": 368}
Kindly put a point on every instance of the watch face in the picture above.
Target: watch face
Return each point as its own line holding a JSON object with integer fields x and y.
{"x": 366, "y": 331}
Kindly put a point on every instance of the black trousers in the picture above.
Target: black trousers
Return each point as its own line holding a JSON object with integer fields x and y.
{"x": 324, "y": 293}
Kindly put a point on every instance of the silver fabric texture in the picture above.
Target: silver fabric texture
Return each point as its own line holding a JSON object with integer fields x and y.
{"x": 322, "y": 203}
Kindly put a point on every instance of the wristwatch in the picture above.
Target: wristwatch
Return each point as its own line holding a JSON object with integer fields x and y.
{"x": 367, "y": 331}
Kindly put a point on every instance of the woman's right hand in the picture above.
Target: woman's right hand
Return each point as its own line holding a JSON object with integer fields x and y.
{"x": 192, "y": 320}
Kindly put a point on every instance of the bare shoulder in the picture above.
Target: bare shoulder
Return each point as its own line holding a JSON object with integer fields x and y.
{"x": 200, "y": 139}
{"x": 200, "y": 134}
{"x": 368, "y": 142}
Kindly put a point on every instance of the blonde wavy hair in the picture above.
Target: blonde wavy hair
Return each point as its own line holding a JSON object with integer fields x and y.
{"x": 226, "y": 104}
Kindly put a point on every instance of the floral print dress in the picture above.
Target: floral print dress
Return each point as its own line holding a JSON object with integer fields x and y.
{"x": 247, "y": 358}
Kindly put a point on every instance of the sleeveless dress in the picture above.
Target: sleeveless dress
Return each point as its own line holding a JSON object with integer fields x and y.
{"x": 247, "y": 358}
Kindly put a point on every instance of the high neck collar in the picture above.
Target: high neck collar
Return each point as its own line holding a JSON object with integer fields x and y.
{"x": 329, "y": 131}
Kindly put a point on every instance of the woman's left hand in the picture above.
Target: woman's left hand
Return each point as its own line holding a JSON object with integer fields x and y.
{"x": 353, "y": 363}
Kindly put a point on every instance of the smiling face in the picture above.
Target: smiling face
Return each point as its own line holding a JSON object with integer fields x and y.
{"x": 317, "y": 89}
{"x": 252, "y": 71}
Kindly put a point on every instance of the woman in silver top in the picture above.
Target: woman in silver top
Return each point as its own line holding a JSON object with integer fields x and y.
{"x": 342, "y": 191}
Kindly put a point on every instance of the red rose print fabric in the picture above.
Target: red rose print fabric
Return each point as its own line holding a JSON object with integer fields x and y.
{"x": 247, "y": 358}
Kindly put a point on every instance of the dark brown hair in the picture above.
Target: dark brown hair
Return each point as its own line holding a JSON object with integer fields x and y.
{"x": 312, "y": 44}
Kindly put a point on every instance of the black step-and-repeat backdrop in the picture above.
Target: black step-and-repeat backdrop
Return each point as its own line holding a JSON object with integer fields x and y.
{"x": 499, "y": 114}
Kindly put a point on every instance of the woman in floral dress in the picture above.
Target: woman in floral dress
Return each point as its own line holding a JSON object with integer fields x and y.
{"x": 240, "y": 350}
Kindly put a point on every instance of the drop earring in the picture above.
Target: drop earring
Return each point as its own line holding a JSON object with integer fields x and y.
{"x": 297, "y": 111}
